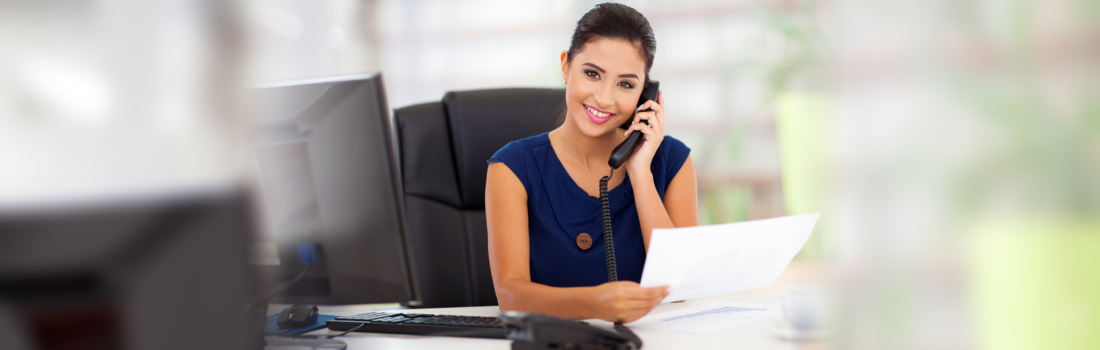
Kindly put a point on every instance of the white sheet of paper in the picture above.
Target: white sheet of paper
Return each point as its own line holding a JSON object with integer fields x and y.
{"x": 709, "y": 317}
{"x": 715, "y": 259}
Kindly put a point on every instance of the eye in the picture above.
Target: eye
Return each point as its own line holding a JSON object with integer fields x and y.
{"x": 626, "y": 84}
{"x": 591, "y": 74}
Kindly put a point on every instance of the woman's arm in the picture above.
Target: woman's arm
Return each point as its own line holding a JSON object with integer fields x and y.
{"x": 680, "y": 207}
{"x": 509, "y": 260}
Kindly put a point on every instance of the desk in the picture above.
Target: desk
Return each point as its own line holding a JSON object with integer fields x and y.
{"x": 751, "y": 336}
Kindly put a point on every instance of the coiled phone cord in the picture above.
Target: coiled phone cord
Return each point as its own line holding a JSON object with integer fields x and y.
{"x": 609, "y": 246}
{"x": 608, "y": 243}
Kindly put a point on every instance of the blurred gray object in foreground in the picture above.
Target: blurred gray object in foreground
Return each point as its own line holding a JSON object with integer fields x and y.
{"x": 156, "y": 273}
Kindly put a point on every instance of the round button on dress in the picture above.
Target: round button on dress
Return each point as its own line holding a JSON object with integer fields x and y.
{"x": 584, "y": 241}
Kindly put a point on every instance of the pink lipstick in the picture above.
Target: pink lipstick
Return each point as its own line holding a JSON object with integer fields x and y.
{"x": 595, "y": 117}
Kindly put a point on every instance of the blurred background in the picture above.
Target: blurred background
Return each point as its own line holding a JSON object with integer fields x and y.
{"x": 719, "y": 62}
{"x": 953, "y": 147}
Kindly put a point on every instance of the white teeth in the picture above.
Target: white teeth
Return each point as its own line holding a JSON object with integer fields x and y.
{"x": 598, "y": 114}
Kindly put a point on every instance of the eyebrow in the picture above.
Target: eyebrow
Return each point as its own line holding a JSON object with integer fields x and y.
{"x": 602, "y": 71}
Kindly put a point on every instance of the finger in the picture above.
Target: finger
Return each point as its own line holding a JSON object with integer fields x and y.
{"x": 651, "y": 104}
{"x": 632, "y": 128}
{"x": 655, "y": 121}
{"x": 635, "y": 126}
{"x": 646, "y": 297}
{"x": 645, "y": 303}
{"x": 649, "y": 293}
{"x": 643, "y": 116}
{"x": 658, "y": 102}
{"x": 657, "y": 109}
{"x": 658, "y": 114}
{"x": 661, "y": 291}
{"x": 636, "y": 306}
{"x": 649, "y": 304}
{"x": 650, "y": 124}
{"x": 653, "y": 300}
{"x": 636, "y": 116}
{"x": 645, "y": 129}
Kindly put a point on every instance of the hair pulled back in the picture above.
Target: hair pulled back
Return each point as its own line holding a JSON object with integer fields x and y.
{"x": 615, "y": 21}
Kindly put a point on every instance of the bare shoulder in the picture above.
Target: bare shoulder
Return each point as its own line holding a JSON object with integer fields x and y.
{"x": 500, "y": 180}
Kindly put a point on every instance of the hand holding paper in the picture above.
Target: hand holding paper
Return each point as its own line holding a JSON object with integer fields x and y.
{"x": 715, "y": 259}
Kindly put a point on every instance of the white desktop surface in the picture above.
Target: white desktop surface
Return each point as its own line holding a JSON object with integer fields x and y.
{"x": 751, "y": 336}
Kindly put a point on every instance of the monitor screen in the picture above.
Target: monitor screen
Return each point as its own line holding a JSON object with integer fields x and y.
{"x": 325, "y": 165}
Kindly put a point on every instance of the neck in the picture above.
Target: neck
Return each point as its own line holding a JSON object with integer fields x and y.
{"x": 590, "y": 152}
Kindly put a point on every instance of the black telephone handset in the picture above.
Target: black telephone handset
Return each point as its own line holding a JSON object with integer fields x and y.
{"x": 632, "y": 142}
{"x": 538, "y": 332}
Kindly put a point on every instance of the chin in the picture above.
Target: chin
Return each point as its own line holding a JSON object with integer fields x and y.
{"x": 590, "y": 129}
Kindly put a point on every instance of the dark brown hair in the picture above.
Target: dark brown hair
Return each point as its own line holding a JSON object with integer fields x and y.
{"x": 613, "y": 21}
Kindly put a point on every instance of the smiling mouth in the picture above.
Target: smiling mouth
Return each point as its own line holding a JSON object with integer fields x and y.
{"x": 596, "y": 112}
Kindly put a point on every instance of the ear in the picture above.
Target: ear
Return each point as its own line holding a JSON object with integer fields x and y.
{"x": 564, "y": 65}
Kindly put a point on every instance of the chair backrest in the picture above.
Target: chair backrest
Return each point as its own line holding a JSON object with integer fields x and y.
{"x": 443, "y": 149}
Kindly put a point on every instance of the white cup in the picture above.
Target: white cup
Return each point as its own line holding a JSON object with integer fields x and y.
{"x": 809, "y": 309}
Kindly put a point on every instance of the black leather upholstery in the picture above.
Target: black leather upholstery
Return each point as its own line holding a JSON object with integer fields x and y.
{"x": 444, "y": 146}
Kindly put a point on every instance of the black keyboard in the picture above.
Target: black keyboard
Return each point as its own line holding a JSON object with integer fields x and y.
{"x": 423, "y": 324}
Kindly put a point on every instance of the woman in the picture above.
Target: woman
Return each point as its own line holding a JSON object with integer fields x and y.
{"x": 542, "y": 193}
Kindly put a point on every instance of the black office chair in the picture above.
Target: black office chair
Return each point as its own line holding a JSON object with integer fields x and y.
{"x": 443, "y": 149}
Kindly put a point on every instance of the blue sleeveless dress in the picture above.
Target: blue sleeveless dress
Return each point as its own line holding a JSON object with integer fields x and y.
{"x": 558, "y": 211}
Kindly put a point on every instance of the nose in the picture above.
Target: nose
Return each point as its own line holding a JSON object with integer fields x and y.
{"x": 603, "y": 98}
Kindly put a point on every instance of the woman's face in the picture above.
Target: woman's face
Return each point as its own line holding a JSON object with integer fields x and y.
{"x": 603, "y": 83}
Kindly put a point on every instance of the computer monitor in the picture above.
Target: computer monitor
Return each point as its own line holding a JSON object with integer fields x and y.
{"x": 327, "y": 171}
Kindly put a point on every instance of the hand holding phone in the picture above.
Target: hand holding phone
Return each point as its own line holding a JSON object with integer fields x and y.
{"x": 623, "y": 151}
